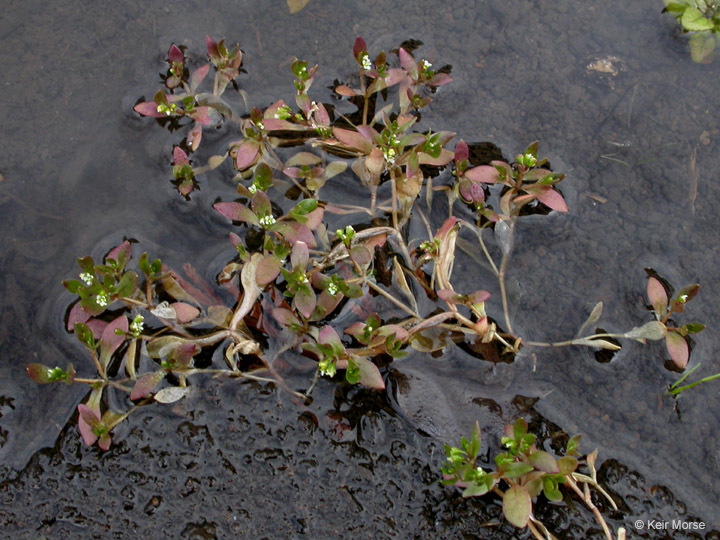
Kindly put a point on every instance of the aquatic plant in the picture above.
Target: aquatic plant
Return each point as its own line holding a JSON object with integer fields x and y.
{"x": 301, "y": 280}
{"x": 522, "y": 473}
{"x": 701, "y": 19}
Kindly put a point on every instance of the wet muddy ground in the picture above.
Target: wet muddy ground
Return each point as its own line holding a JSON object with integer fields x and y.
{"x": 609, "y": 90}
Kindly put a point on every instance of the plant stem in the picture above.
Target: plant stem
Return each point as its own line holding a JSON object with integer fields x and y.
{"x": 588, "y": 502}
{"x": 503, "y": 292}
{"x": 392, "y": 299}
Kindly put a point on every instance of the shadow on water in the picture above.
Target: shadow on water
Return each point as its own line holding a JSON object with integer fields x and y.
{"x": 80, "y": 172}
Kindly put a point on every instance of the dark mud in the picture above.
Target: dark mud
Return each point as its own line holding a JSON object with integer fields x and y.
{"x": 80, "y": 172}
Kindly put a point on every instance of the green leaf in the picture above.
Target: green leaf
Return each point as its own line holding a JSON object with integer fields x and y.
{"x": 567, "y": 464}
{"x": 127, "y": 285}
{"x": 296, "y": 5}
{"x": 543, "y": 461}
{"x": 694, "y": 21}
{"x": 515, "y": 469}
{"x": 702, "y": 46}
{"x": 694, "y": 328}
{"x": 517, "y": 506}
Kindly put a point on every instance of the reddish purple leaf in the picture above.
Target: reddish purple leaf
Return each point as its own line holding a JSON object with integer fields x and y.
{"x": 175, "y": 54}
{"x": 394, "y": 76}
{"x": 440, "y": 79}
{"x": 297, "y": 232}
{"x": 328, "y": 335}
{"x": 125, "y": 248}
{"x": 305, "y": 301}
{"x": 247, "y": 153}
{"x": 146, "y": 384}
{"x": 149, "y": 108}
{"x": 314, "y": 218}
{"x": 658, "y": 297}
{"x": 198, "y": 76}
{"x": 359, "y": 47}
{"x": 484, "y": 173}
{"x": 97, "y": 327}
{"x": 267, "y": 270}
{"x": 370, "y": 376}
{"x": 236, "y": 212}
{"x": 185, "y": 312}
{"x": 201, "y": 115}
{"x": 353, "y": 139}
{"x": 180, "y": 158}
{"x": 408, "y": 63}
{"x": 76, "y": 315}
{"x": 517, "y": 506}
{"x": 553, "y": 200}
{"x": 471, "y": 192}
{"x": 300, "y": 255}
{"x": 39, "y": 373}
{"x": 87, "y": 420}
{"x": 110, "y": 341}
{"x": 461, "y": 151}
{"x": 344, "y": 90}
{"x": 678, "y": 349}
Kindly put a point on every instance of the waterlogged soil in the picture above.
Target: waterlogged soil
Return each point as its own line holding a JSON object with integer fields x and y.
{"x": 610, "y": 91}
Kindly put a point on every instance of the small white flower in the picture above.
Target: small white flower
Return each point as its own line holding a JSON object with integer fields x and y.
{"x": 267, "y": 221}
{"x": 136, "y": 326}
{"x": 87, "y": 278}
{"x": 426, "y": 65}
{"x": 252, "y": 189}
{"x": 332, "y": 289}
{"x": 101, "y": 299}
{"x": 366, "y": 64}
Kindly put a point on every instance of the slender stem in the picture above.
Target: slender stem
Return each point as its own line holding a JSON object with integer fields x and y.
{"x": 393, "y": 185}
{"x": 503, "y": 292}
{"x": 392, "y": 299}
{"x": 588, "y": 502}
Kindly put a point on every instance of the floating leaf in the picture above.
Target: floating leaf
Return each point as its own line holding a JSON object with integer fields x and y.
{"x": 653, "y": 330}
{"x": 370, "y": 376}
{"x": 592, "y": 318}
{"x": 678, "y": 349}
{"x": 296, "y": 5}
{"x": 172, "y": 394}
{"x": 544, "y": 462}
{"x": 658, "y": 297}
{"x": 694, "y": 21}
{"x": 146, "y": 384}
{"x": 504, "y": 237}
{"x": 184, "y": 312}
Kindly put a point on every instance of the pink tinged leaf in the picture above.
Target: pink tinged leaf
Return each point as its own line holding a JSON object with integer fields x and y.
{"x": 361, "y": 254}
{"x": 97, "y": 327}
{"x": 471, "y": 192}
{"x": 110, "y": 339}
{"x": 678, "y": 349}
{"x": 185, "y": 187}
{"x": 408, "y": 63}
{"x": 194, "y": 137}
{"x": 517, "y": 506}
{"x": 553, "y": 200}
{"x": 314, "y": 218}
{"x": 327, "y": 335}
{"x": 148, "y": 108}
{"x": 359, "y": 47}
{"x": 201, "y": 115}
{"x": 212, "y": 49}
{"x": 394, "y": 76}
{"x": 369, "y": 133}
{"x": 198, "y": 76}
{"x": 445, "y": 157}
{"x": 293, "y": 172}
{"x": 544, "y": 462}
{"x": 440, "y": 79}
{"x": 353, "y": 139}
{"x": 261, "y": 204}
{"x": 375, "y": 162}
{"x": 247, "y": 153}
{"x": 285, "y": 317}
{"x": 146, "y": 384}
{"x": 297, "y": 232}
{"x": 185, "y": 312}
{"x": 104, "y": 442}
{"x": 236, "y": 212}
{"x": 448, "y": 295}
{"x": 658, "y": 297}
{"x": 125, "y": 248}
{"x": 175, "y": 54}
{"x": 267, "y": 270}
{"x": 321, "y": 115}
{"x": 299, "y": 255}
{"x": 370, "y": 376}
{"x": 356, "y": 329}
{"x": 88, "y": 419}
{"x": 484, "y": 173}
{"x": 461, "y": 151}
{"x": 344, "y": 90}
{"x": 185, "y": 352}
{"x": 479, "y": 297}
{"x": 39, "y": 373}
{"x": 76, "y": 315}
{"x": 180, "y": 157}
{"x": 305, "y": 302}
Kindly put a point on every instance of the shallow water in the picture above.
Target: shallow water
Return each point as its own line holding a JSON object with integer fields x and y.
{"x": 80, "y": 171}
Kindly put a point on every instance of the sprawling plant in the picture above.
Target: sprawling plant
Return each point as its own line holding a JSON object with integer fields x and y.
{"x": 351, "y": 297}
{"x": 701, "y": 19}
